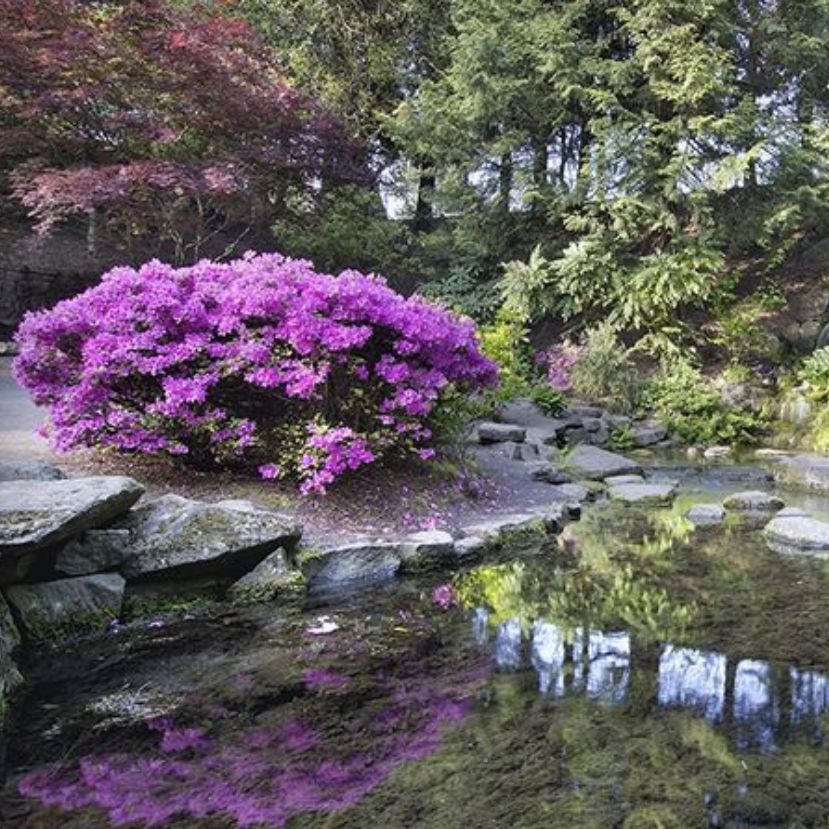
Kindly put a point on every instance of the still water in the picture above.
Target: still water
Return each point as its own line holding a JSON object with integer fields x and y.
{"x": 636, "y": 673}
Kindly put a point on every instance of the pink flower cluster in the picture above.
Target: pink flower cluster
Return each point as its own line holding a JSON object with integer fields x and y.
{"x": 558, "y": 360}
{"x": 261, "y": 362}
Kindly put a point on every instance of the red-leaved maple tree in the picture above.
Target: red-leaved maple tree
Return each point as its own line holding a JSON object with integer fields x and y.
{"x": 153, "y": 120}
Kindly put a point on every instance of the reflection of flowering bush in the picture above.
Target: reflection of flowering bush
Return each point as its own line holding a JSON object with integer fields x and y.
{"x": 260, "y": 361}
{"x": 261, "y": 776}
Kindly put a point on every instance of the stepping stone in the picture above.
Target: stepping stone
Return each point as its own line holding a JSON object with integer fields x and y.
{"x": 648, "y": 493}
{"x": 596, "y": 464}
{"x": 798, "y": 533}
{"x": 706, "y": 515}
{"x": 501, "y": 433}
{"x": 572, "y": 492}
{"x": 753, "y": 501}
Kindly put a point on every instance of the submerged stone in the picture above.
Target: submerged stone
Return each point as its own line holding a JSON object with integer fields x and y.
{"x": 706, "y": 515}
{"x": 645, "y": 493}
{"x": 56, "y": 607}
{"x": 753, "y": 501}
{"x": 595, "y": 463}
{"x": 38, "y": 514}
{"x": 798, "y": 533}
{"x": 174, "y": 537}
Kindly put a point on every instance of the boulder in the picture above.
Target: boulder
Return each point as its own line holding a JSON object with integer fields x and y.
{"x": 550, "y": 474}
{"x": 273, "y": 575}
{"x": 706, "y": 515}
{"x": 501, "y": 433}
{"x": 425, "y": 549}
{"x": 95, "y": 551}
{"x": 175, "y": 537}
{"x": 647, "y": 434}
{"x": 596, "y": 464}
{"x": 38, "y": 514}
{"x": 797, "y": 533}
{"x": 805, "y": 471}
{"x": 358, "y": 563}
{"x": 792, "y": 512}
{"x": 13, "y": 470}
{"x": 55, "y": 607}
{"x": 647, "y": 493}
{"x": 753, "y": 501}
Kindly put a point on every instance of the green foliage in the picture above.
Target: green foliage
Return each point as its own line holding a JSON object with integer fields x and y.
{"x": 550, "y": 401}
{"x": 344, "y": 228}
{"x": 605, "y": 373}
{"x": 621, "y": 439}
{"x": 693, "y": 411}
{"x": 814, "y": 372}
{"x": 506, "y": 341}
{"x": 742, "y": 329}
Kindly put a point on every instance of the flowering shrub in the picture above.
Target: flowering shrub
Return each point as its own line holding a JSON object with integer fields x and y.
{"x": 261, "y": 362}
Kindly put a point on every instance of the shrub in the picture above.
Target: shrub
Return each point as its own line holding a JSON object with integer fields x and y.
{"x": 814, "y": 372}
{"x": 259, "y": 362}
{"x": 694, "y": 412}
{"x": 604, "y": 372}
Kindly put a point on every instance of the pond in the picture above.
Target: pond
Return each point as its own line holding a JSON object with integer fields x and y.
{"x": 636, "y": 673}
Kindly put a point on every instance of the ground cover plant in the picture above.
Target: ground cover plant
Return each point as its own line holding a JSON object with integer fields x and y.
{"x": 261, "y": 362}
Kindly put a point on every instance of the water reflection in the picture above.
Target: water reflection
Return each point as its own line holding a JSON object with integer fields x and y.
{"x": 755, "y": 709}
{"x": 693, "y": 679}
{"x": 747, "y": 695}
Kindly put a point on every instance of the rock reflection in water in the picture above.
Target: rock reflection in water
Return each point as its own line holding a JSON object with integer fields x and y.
{"x": 693, "y": 679}
{"x": 599, "y": 665}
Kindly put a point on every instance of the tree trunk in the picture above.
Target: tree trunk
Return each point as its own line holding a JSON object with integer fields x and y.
{"x": 504, "y": 183}
{"x": 424, "y": 214}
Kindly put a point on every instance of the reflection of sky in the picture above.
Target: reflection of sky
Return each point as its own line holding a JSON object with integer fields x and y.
{"x": 693, "y": 679}
{"x": 599, "y": 665}
{"x": 810, "y": 697}
{"x": 508, "y": 645}
{"x": 547, "y": 657}
{"x": 608, "y": 676}
{"x": 755, "y": 711}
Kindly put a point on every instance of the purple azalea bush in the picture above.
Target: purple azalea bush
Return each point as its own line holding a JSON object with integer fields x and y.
{"x": 260, "y": 362}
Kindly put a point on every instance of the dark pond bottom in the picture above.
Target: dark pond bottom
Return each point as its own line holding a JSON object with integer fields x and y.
{"x": 637, "y": 675}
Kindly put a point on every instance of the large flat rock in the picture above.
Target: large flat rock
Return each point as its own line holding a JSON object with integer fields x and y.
{"x": 595, "y": 464}
{"x": 798, "y": 533}
{"x": 55, "y": 607}
{"x": 38, "y": 514}
{"x": 174, "y": 537}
